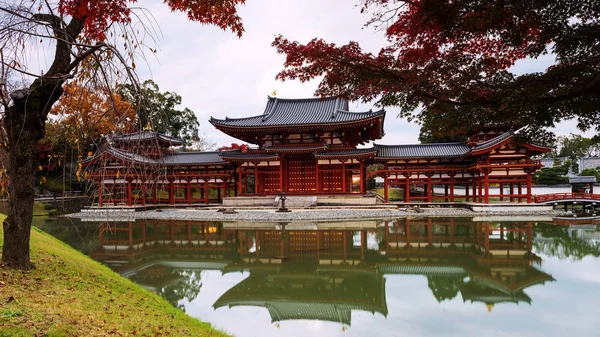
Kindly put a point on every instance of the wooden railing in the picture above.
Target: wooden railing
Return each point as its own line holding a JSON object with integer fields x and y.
{"x": 564, "y": 196}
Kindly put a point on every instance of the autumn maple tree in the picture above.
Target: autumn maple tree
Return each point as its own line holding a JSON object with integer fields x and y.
{"x": 450, "y": 62}
{"x": 79, "y": 38}
{"x": 83, "y": 115}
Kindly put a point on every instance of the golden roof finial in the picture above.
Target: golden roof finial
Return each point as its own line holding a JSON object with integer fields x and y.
{"x": 148, "y": 126}
{"x": 274, "y": 93}
{"x": 489, "y": 306}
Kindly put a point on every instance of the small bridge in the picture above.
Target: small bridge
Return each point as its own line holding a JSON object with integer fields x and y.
{"x": 567, "y": 198}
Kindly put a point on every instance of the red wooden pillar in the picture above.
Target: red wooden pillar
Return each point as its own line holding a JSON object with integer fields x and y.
{"x": 240, "y": 180}
{"x": 206, "y": 194}
{"x": 519, "y": 191}
{"x": 385, "y": 188}
{"x": 129, "y": 193}
{"x": 188, "y": 192}
{"x": 446, "y": 194}
{"x": 317, "y": 177}
{"x": 511, "y": 191}
{"x": 256, "y": 178}
{"x": 501, "y": 191}
{"x": 281, "y": 174}
{"x": 143, "y": 193}
{"x": 100, "y": 196}
{"x": 219, "y": 193}
{"x": 474, "y": 183}
{"x": 171, "y": 193}
{"x": 407, "y": 189}
{"x": 155, "y": 193}
{"x": 362, "y": 176}
{"x": 486, "y": 182}
{"x": 529, "y": 197}
{"x": 467, "y": 192}
{"x": 429, "y": 189}
{"x": 480, "y": 188}
{"x": 452, "y": 188}
{"x": 344, "y": 187}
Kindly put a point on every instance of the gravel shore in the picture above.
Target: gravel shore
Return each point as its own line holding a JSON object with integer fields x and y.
{"x": 296, "y": 215}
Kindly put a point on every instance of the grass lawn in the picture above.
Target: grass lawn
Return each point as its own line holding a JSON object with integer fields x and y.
{"x": 393, "y": 193}
{"x": 69, "y": 294}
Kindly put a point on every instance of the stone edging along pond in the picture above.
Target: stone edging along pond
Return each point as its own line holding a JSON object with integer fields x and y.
{"x": 264, "y": 215}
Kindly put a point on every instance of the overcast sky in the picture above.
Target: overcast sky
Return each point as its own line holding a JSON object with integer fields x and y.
{"x": 219, "y": 75}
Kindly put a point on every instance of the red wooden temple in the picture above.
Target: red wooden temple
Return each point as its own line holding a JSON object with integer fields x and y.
{"x": 310, "y": 147}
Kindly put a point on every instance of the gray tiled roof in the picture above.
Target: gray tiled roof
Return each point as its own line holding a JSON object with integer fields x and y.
{"x": 189, "y": 158}
{"x": 147, "y": 135}
{"x": 347, "y": 153}
{"x": 121, "y": 154}
{"x": 304, "y": 147}
{"x": 433, "y": 150}
{"x": 582, "y": 180}
{"x": 282, "y": 112}
{"x": 247, "y": 155}
{"x": 493, "y": 141}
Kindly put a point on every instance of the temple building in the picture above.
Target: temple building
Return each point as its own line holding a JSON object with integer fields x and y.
{"x": 312, "y": 146}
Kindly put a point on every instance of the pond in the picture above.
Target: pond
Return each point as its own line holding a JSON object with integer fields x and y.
{"x": 408, "y": 277}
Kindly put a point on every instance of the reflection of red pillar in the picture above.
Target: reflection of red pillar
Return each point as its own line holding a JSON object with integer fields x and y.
{"x": 529, "y": 236}
{"x": 407, "y": 231}
{"x": 387, "y": 232}
{"x": 130, "y": 234}
{"x": 345, "y": 245}
{"x": 101, "y": 234}
{"x": 487, "y": 239}
{"x": 430, "y": 231}
{"x": 363, "y": 244}
{"x": 452, "y": 237}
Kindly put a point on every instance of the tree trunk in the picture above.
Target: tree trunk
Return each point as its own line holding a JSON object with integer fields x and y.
{"x": 25, "y": 125}
{"x": 23, "y": 158}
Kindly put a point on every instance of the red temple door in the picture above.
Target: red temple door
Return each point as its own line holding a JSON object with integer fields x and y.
{"x": 302, "y": 175}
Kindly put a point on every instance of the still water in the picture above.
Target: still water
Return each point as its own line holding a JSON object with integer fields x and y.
{"x": 417, "y": 277}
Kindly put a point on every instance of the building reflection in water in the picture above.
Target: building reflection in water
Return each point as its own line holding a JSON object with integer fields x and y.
{"x": 297, "y": 271}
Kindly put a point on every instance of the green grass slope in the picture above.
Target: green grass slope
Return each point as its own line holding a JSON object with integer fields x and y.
{"x": 69, "y": 294}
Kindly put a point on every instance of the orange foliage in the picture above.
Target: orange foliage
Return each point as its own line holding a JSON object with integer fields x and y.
{"x": 85, "y": 114}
